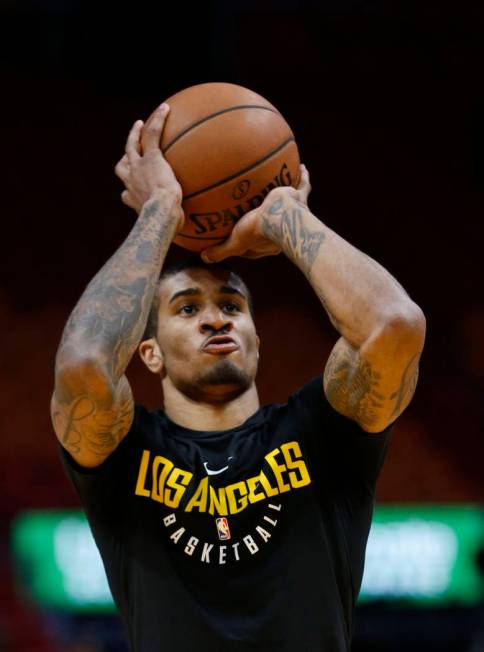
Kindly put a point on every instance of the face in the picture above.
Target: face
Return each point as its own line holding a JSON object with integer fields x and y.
{"x": 206, "y": 337}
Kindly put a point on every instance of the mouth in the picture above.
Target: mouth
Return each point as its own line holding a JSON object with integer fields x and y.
{"x": 220, "y": 344}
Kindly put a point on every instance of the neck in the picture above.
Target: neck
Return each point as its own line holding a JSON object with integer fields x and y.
{"x": 208, "y": 415}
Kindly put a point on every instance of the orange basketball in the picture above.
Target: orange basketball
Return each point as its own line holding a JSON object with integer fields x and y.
{"x": 228, "y": 147}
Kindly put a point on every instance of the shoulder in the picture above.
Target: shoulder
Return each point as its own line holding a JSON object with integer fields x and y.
{"x": 146, "y": 419}
{"x": 308, "y": 405}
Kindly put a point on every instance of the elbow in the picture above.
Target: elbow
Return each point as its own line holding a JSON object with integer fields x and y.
{"x": 82, "y": 370}
{"x": 79, "y": 357}
{"x": 71, "y": 361}
{"x": 408, "y": 323}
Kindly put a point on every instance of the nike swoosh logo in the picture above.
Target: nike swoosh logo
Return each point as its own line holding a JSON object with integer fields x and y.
{"x": 210, "y": 472}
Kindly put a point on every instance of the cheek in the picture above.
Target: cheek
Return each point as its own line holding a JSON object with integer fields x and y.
{"x": 176, "y": 346}
{"x": 251, "y": 342}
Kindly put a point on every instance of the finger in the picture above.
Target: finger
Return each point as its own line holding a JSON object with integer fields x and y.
{"x": 261, "y": 254}
{"x": 153, "y": 130}
{"x": 122, "y": 168}
{"x": 252, "y": 255}
{"x": 239, "y": 241}
{"x": 304, "y": 185}
{"x": 133, "y": 143}
{"x": 219, "y": 252}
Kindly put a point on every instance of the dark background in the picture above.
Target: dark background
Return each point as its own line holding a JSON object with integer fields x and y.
{"x": 386, "y": 101}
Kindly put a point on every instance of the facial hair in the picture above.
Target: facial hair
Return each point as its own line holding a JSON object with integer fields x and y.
{"x": 223, "y": 374}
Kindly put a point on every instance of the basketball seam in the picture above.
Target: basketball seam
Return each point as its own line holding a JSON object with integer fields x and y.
{"x": 239, "y": 172}
{"x": 214, "y": 115}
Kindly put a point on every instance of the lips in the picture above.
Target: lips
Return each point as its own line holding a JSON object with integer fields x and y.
{"x": 220, "y": 344}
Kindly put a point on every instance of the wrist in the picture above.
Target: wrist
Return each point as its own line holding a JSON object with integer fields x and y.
{"x": 168, "y": 198}
{"x": 274, "y": 212}
{"x": 167, "y": 203}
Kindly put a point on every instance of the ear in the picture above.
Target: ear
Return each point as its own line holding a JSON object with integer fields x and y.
{"x": 257, "y": 339}
{"x": 151, "y": 355}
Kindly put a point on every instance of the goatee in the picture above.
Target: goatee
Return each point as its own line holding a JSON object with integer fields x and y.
{"x": 223, "y": 374}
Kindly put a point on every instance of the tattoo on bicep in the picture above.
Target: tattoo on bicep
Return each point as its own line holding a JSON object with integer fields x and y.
{"x": 97, "y": 430}
{"x": 297, "y": 241}
{"x": 82, "y": 408}
{"x": 407, "y": 386}
{"x": 352, "y": 386}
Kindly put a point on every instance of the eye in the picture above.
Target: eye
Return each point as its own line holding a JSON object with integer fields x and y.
{"x": 230, "y": 307}
{"x": 187, "y": 309}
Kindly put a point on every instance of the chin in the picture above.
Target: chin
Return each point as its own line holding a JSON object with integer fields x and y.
{"x": 222, "y": 382}
{"x": 224, "y": 372}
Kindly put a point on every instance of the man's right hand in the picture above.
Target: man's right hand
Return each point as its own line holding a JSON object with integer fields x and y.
{"x": 143, "y": 168}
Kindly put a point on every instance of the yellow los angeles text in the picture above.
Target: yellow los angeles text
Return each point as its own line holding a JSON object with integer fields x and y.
{"x": 169, "y": 483}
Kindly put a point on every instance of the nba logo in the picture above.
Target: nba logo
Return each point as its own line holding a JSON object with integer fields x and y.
{"x": 223, "y": 529}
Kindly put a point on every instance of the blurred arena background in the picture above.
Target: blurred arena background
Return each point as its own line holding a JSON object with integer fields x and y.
{"x": 386, "y": 101}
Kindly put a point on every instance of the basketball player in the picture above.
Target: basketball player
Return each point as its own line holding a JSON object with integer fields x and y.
{"x": 223, "y": 525}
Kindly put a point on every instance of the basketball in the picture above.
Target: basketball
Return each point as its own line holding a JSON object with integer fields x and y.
{"x": 228, "y": 147}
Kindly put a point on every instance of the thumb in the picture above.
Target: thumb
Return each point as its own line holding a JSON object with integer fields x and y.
{"x": 230, "y": 247}
{"x": 217, "y": 253}
{"x": 238, "y": 242}
{"x": 304, "y": 185}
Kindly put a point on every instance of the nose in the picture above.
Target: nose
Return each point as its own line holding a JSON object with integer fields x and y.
{"x": 213, "y": 319}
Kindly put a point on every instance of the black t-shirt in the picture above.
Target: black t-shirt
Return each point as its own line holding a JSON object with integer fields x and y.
{"x": 246, "y": 540}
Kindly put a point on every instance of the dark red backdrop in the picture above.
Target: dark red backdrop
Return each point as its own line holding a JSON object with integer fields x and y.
{"x": 386, "y": 104}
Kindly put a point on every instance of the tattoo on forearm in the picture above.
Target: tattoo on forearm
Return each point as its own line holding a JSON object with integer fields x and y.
{"x": 112, "y": 312}
{"x": 288, "y": 229}
{"x": 297, "y": 241}
{"x": 93, "y": 406}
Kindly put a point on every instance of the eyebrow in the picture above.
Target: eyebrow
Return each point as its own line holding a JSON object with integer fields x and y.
{"x": 185, "y": 293}
{"x": 189, "y": 292}
{"x": 228, "y": 289}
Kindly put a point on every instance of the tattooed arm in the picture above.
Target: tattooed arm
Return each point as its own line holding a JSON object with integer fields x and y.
{"x": 92, "y": 404}
{"x": 372, "y": 371}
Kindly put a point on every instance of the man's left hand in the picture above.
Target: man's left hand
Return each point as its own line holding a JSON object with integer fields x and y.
{"x": 247, "y": 238}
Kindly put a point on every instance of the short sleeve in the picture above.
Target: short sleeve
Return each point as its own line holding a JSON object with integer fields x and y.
{"x": 103, "y": 489}
{"x": 347, "y": 457}
{"x": 345, "y": 464}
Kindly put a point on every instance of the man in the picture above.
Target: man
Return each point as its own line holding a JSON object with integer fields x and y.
{"x": 223, "y": 525}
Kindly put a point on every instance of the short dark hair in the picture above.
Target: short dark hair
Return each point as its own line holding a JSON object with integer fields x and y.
{"x": 191, "y": 262}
